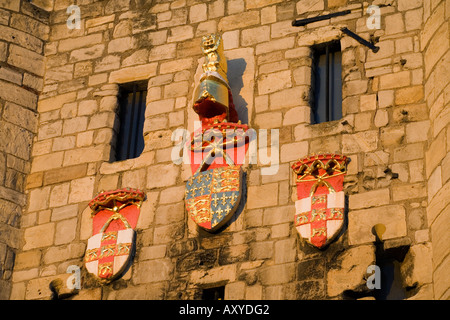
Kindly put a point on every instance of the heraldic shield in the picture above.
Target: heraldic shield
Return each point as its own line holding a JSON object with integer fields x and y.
{"x": 109, "y": 251}
{"x": 212, "y": 196}
{"x": 319, "y": 210}
{"x": 213, "y": 192}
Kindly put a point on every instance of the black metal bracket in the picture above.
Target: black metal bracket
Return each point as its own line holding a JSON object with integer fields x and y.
{"x": 303, "y": 22}
{"x": 368, "y": 44}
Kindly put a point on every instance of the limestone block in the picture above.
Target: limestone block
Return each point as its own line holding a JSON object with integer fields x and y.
{"x": 285, "y": 251}
{"x": 381, "y": 118}
{"x": 47, "y": 162}
{"x": 304, "y": 6}
{"x": 173, "y": 194}
{"x": 368, "y": 102}
{"x": 417, "y": 131}
{"x": 292, "y": 97}
{"x": 176, "y": 65}
{"x": 433, "y": 22}
{"x": 275, "y": 45}
{"x": 93, "y": 52}
{"x": 416, "y": 171}
{"x": 10, "y": 5}
{"x": 39, "y": 288}
{"x": 413, "y": 19}
{"x": 256, "y": 35}
{"x": 176, "y": 89}
{"x": 95, "y": 22}
{"x": 409, "y": 95}
{"x": 395, "y": 80}
{"x": 293, "y": 151}
{"x": 63, "y": 143}
{"x": 261, "y": 250}
{"x": 235, "y": 290}
{"x": 412, "y": 151}
{"x": 214, "y": 275}
{"x": 66, "y": 231}
{"x": 277, "y": 274}
{"x": 268, "y": 120}
{"x": 360, "y": 142}
{"x": 394, "y": 24}
{"x": 239, "y": 21}
{"x": 361, "y": 222}
{"x": 153, "y": 252}
{"x": 404, "y": 5}
{"x": 59, "y": 195}
{"x": 354, "y": 87}
{"x": 11, "y": 75}
{"x": 83, "y": 155}
{"x": 117, "y": 6}
{"x": 162, "y": 175}
{"x": 162, "y": 52}
{"x": 180, "y": 33}
{"x": 55, "y": 102}
{"x": 369, "y": 199}
{"x": 142, "y": 72}
{"x": 274, "y": 82}
{"x": 282, "y": 29}
{"x": 438, "y": 234}
{"x": 64, "y": 212}
{"x": 81, "y": 189}
{"x": 21, "y": 38}
{"x": 110, "y": 62}
{"x": 27, "y": 259}
{"x": 79, "y": 42}
{"x": 62, "y": 253}
{"x": 435, "y": 153}
{"x": 14, "y": 93}
{"x": 64, "y": 174}
{"x": 350, "y": 272}
{"x": 392, "y": 136}
{"x": 416, "y": 268}
{"x": 39, "y": 236}
{"x": 409, "y": 191}
{"x": 262, "y": 196}
{"x": 437, "y": 48}
{"x": 197, "y": 13}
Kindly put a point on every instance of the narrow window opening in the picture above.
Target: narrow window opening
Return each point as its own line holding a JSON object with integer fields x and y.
{"x": 216, "y": 293}
{"x": 131, "y": 115}
{"x": 327, "y": 82}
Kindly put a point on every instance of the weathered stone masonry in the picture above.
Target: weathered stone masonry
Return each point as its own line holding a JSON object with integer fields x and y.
{"x": 58, "y": 93}
{"x": 23, "y": 32}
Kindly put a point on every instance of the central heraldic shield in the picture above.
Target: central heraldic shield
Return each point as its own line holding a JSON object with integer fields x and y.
{"x": 319, "y": 210}
{"x": 213, "y": 195}
{"x": 109, "y": 250}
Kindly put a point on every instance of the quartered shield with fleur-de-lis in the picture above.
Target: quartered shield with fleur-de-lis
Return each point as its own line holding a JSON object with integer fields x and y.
{"x": 212, "y": 196}
{"x": 109, "y": 250}
{"x": 214, "y": 191}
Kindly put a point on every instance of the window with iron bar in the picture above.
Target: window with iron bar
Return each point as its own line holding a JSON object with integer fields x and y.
{"x": 131, "y": 115}
{"x": 327, "y": 82}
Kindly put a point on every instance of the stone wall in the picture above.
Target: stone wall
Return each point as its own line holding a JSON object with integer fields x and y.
{"x": 435, "y": 44}
{"x": 23, "y": 31}
{"x": 259, "y": 255}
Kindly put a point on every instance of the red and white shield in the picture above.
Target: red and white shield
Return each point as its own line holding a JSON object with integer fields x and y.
{"x": 109, "y": 250}
{"x": 319, "y": 210}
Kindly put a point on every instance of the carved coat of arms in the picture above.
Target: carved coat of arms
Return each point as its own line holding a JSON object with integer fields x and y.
{"x": 218, "y": 149}
{"x": 110, "y": 248}
{"x": 319, "y": 210}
